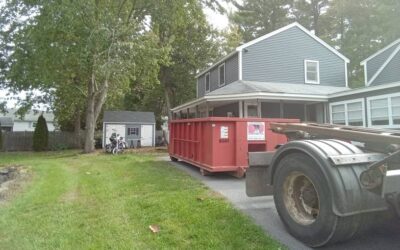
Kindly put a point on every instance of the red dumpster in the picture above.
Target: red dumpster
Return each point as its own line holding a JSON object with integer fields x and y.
{"x": 221, "y": 144}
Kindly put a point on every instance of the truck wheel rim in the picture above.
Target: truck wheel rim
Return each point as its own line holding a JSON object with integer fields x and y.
{"x": 301, "y": 198}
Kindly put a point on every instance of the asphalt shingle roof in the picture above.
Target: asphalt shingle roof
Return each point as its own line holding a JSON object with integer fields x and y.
{"x": 6, "y": 122}
{"x": 129, "y": 116}
{"x": 243, "y": 87}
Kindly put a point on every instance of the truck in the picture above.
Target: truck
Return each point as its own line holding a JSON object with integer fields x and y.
{"x": 329, "y": 182}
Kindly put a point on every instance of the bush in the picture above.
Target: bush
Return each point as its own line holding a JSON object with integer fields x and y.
{"x": 1, "y": 139}
{"x": 41, "y": 135}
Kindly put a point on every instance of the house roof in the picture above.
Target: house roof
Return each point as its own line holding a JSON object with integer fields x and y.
{"x": 365, "y": 89}
{"x": 6, "y": 122}
{"x": 242, "y": 87}
{"x": 30, "y": 116}
{"x": 247, "y": 90}
{"x": 266, "y": 36}
{"x": 129, "y": 116}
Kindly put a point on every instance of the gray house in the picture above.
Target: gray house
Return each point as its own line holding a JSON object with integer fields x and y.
{"x": 288, "y": 73}
{"x": 378, "y": 103}
{"x": 137, "y": 128}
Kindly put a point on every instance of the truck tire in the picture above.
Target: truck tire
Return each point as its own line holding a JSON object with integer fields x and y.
{"x": 304, "y": 203}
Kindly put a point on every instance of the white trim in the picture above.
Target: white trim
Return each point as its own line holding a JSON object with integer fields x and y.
{"x": 383, "y": 65}
{"x": 379, "y": 52}
{"x": 346, "y": 74}
{"x": 388, "y": 97}
{"x": 218, "y": 62}
{"x": 252, "y": 103}
{"x": 219, "y": 75}
{"x": 295, "y": 24}
{"x": 305, "y": 72}
{"x": 240, "y": 66}
{"x": 365, "y": 89}
{"x": 345, "y": 103}
{"x": 205, "y": 83}
{"x": 365, "y": 75}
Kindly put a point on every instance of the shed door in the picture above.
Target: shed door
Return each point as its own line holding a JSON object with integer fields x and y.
{"x": 132, "y": 135}
{"x": 117, "y": 129}
{"x": 146, "y": 139}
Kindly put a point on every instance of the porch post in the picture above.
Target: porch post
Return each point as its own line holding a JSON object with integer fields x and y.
{"x": 305, "y": 113}
{"x": 281, "y": 109}
{"x": 241, "y": 109}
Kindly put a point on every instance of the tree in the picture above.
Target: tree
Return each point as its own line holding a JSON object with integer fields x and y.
{"x": 259, "y": 17}
{"x": 41, "y": 135}
{"x": 183, "y": 31}
{"x": 1, "y": 138}
{"x": 308, "y": 13}
{"x": 90, "y": 48}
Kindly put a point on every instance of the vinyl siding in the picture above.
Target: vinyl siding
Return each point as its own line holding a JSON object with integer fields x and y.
{"x": 391, "y": 73}
{"x": 231, "y": 75}
{"x": 280, "y": 58}
{"x": 376, "y": 62}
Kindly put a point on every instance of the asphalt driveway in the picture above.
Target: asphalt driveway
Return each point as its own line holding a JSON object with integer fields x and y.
{"x": 262, "y": 210}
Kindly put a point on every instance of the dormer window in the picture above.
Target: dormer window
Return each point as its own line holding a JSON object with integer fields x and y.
{"x": 221, "y": 73}
{"x": 311, "y": 71}
{"x": 207, "y": 82}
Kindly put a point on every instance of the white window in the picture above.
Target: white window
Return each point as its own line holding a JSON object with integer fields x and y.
{"x": 207, "y": 82}
{"x": 221, "y": 75}
{"x": 384, "y": 111}
{"x": 311, "y": 71}
{"x": 348, "y": 113}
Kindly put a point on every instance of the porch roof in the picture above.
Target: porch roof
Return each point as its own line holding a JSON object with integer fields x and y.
{"x": 247, "y": 90}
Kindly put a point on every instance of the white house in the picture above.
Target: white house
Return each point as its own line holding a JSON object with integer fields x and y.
{"x": 29, "y": 120}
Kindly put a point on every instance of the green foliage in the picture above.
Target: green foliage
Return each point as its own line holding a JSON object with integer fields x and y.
{"x": 1, "y": 138}
{"x": 258, "y": 17}
{"x": 41, "y": 135}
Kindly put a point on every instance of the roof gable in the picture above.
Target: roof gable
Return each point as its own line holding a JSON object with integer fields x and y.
{"x": 391, "y": 45}
{"x": 388, "y": 60}
{"x": 295, "y": 24}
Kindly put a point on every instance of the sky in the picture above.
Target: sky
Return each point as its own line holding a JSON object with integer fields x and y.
{"x": 217, "y": 20}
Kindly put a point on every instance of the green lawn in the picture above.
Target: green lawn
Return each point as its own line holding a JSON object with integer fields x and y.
{"x": 108, "y": 202}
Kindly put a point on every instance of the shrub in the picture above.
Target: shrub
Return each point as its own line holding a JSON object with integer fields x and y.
{"x": 1, "y": 139}
{"x": 41, "y": 135}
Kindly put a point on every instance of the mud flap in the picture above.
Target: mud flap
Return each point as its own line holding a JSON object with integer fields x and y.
{"x": 256, "y": 174}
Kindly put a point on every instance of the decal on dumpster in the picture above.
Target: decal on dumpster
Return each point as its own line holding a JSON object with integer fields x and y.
{"x": 224, "y": 133}
{"x": 255, "y": 131}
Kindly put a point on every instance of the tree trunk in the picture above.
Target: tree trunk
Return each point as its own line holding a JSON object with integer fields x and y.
{"x": 77, "y": 128}
{"x": 95, "y": 102}
{"x": 90, "y": 124}
{"x": 167, "y": 91}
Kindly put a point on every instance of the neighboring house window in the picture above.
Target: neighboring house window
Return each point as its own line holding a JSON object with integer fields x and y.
{"x": 221, "y": 73}
{"x": 133, "y": 131}
{"x": 384, "y": 111}
{"x": 207, "y": 82}
{"x": 311, "y": 71}
{"x": 348, "y": 113}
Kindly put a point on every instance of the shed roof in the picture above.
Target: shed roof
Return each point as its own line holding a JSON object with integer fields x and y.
{"x": 6, "y": 122}
{"x": 243, "y": 87}
{"x": 129, "y": 116}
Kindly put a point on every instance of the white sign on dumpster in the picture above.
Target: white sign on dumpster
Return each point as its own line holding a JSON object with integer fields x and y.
{"x": 255, "y": 131}
{"x": 224, "y": 132}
